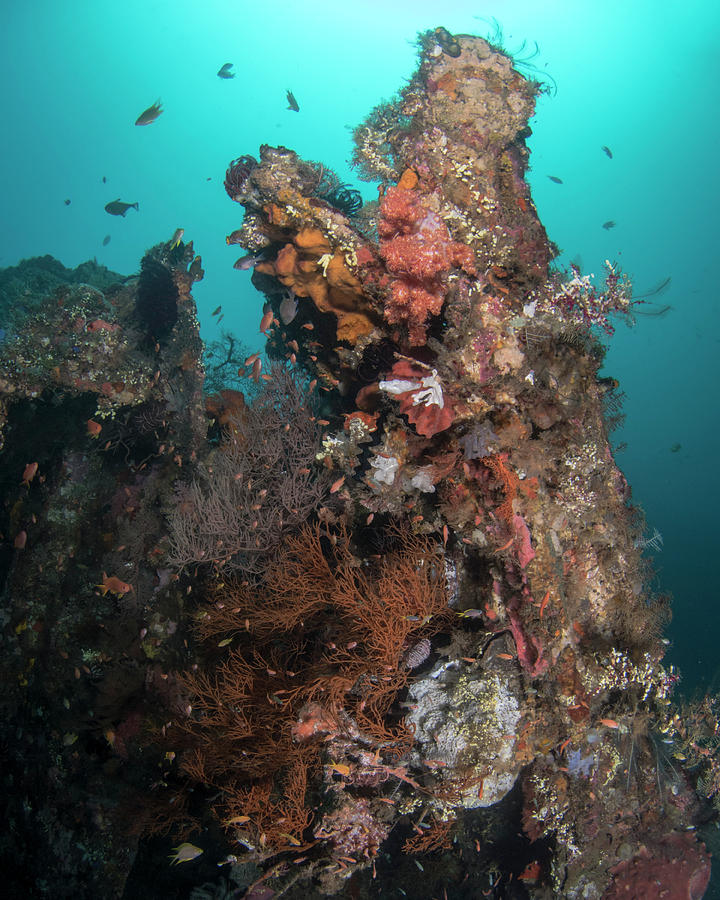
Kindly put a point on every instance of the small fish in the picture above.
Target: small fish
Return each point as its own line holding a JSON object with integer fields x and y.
{"x": 340, "y": 768}
{"x": 176, "y": 238}
{"x": 434, "y": 763}
{"x": 234, "y": 237}
{"x": 225, "y": 71}
{"x": 676, "y": 448}
{"x": 185, "y": 853}
{"x": 607, "y": 151}
{"x": 236, "y": 820}
{"x": 266, "y": 321}
{"x": 544, "y": 603}
{"x": 29, "y": 473}
{"x": 112, "y": 584}
{"x": 106, "y": 240}
{"x": 104, "y": 179}
{"x": 288, "y": 309}
{"x": 68, "y": 202}
{"x": 119, "y": 207}
{"x": 292, "y": 102}
{"x": 20, "y": 540}
{"x": 216, "y": 312}
{"x": 246, "y": 262}
{"x": 608, "y": 225}
{"x": 93, "y": 428}
{"x": 150, "y": 114}
{"x": 102, "y": 325}
{"x": 293, "y": 841}
{"x": 555, "y": 179}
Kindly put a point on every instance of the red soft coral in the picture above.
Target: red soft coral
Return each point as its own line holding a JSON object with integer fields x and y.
{"x": 410, "y": 304}
{"x": 400, "y": 210}
{"x": 418, "y": 250}
{"x": 420, "y": 397}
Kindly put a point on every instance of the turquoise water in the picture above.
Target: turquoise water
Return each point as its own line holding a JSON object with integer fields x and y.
{"x": 637, "y": 76}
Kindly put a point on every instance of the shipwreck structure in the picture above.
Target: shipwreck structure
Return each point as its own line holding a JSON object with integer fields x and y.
{"x": 394, "y": 612}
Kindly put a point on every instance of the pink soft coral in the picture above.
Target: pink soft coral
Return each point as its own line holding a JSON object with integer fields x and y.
{"x": 418, "y": 250}
{"x": 410, "y": 304}
{"x": 530, "y": 651}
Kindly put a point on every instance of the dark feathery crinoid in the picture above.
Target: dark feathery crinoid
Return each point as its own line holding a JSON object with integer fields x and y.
{"x": 237, "y": 174}
{"x": 345, "y": 198}
{"x": 332, "y": 191}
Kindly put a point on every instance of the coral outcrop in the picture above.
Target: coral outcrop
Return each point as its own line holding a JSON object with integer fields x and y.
{"x": 395, "y": 604}
{"x": 478, "y": 364}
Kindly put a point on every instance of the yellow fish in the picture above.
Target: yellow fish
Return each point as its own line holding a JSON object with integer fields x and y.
{"x": 185, "y": 853}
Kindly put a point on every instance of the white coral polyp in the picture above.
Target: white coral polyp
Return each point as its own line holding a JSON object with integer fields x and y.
{"x": 428, "y": 390}
{"x": 422, "y": 480}
{"x": 399, "y": 387}
{"x": 386, "y": 468}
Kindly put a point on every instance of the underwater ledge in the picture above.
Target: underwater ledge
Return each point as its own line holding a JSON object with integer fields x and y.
{"x": 385, "y": 608}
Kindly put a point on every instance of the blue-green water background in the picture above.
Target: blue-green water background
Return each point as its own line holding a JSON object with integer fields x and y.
{"x": 640, "y": 76}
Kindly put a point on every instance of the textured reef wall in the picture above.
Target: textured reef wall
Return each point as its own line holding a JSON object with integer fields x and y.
{"x": 98, "y": 412}
{"x": 411, "y": 619}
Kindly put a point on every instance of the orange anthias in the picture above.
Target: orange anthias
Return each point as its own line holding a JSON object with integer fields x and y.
{"x": 113, "y": 585}
{"x": 29, "y": 473}
{"x": 266, "y": 321}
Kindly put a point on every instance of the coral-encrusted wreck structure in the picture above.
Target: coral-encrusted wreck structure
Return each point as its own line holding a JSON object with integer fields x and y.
{"x": 460, "y": 402}
{"x": 410, "y": 617}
